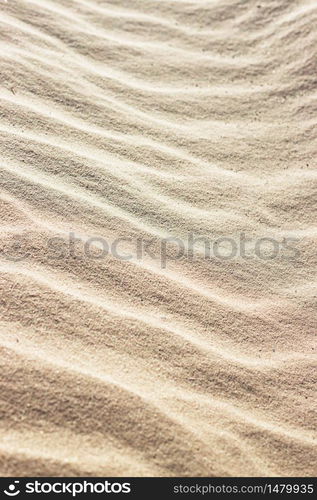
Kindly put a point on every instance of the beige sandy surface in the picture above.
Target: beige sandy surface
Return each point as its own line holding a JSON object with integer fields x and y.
{"x": 151, "y": 119}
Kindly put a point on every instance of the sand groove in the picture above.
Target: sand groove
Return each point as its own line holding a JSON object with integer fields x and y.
{"x": 132, "y": 119}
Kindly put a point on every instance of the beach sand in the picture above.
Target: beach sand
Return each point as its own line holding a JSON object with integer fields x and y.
{"x": 124, "y": 123}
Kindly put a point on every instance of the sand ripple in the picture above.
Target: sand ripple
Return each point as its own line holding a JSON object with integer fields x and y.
{"x": 149, "y": 120}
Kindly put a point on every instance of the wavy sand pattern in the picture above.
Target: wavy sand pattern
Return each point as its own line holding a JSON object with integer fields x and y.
{"x": 148, "y": 119}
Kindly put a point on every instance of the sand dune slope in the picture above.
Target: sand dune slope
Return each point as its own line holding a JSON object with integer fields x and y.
{"x": 146, "y": 120}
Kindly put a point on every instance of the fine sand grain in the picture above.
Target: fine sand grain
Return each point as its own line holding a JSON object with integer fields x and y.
{"x": 151, "y": 119}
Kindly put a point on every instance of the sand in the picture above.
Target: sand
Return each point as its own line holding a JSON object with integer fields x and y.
{"x": 146, "y": 120}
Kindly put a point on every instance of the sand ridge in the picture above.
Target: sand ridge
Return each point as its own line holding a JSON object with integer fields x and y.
{"x": 151, "y": 120}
